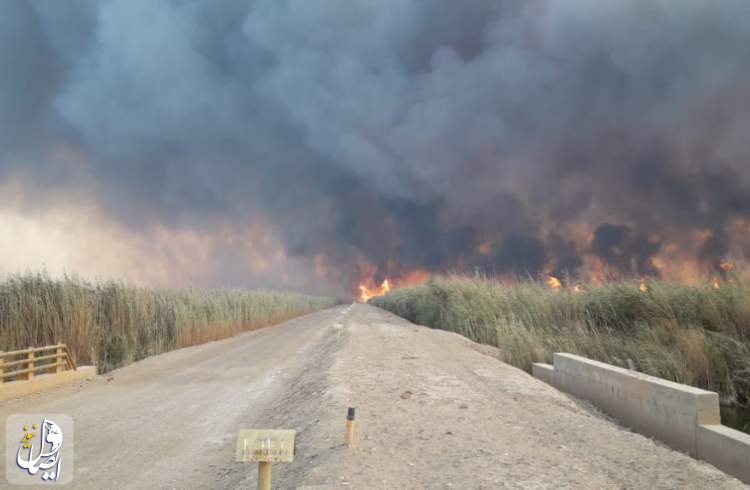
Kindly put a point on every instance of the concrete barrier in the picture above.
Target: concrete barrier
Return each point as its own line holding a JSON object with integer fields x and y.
{"x": 544, "y": 372}
{"x": 685, "y": 418}
{"x": 725, "y": 448}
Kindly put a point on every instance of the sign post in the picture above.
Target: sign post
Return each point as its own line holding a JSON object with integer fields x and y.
{"x": 264, "y": 475}
{"x": 265, "y": 447}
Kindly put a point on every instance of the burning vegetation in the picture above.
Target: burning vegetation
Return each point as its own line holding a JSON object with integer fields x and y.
{"x": 369, "y": 288}
{"x": 723, "y": 272}
{"x": 367, "y": 293}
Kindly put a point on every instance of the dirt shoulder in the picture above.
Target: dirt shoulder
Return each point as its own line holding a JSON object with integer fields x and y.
{"x": 437, "y": 411}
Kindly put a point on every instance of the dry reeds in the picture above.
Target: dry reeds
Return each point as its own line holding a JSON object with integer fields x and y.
{"x": 112, "y": 324}
{"x": 695, "y": 335}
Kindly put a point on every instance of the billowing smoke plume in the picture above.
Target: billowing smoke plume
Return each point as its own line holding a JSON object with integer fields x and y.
{"x": 383, "y": 136}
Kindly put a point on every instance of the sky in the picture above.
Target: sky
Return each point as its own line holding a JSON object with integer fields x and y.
{"x": 311, "y": 145}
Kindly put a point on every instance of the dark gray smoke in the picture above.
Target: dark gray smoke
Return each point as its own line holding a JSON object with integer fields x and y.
{"x": 385, "y": 131}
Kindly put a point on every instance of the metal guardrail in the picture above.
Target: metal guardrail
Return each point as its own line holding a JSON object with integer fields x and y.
{"x": 26, "y": 363}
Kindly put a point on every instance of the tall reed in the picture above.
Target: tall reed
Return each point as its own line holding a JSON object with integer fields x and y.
{"x": 696, "y": 335}
{"x": 111, "y": 324}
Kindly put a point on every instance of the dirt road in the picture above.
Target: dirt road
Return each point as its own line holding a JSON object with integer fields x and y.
{"x": 434, "y": 411}
{"x": 170, "y": 421}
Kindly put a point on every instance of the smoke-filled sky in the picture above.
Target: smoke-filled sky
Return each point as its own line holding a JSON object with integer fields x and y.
{"x": 311, "y": 144}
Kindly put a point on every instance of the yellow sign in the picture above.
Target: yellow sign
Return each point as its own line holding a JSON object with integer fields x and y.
{"x": 272, "y": 446}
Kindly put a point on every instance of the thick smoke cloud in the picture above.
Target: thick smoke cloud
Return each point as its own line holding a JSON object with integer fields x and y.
{"x": 514, "y": 137}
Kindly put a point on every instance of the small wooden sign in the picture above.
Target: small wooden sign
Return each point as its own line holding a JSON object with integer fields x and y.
{"x": 271, "y": 446}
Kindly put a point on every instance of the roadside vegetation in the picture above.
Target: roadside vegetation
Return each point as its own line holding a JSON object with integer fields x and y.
{"x": 697, "y": 335}
{"x": 112, "y": 324}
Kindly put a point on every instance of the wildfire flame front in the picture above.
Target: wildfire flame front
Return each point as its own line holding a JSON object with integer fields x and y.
{"x": 365, "y": 293}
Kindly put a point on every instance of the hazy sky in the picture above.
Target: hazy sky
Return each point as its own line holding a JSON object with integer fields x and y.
{"x": 306, "y": 143}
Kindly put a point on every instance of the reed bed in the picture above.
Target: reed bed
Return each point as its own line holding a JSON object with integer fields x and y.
{"x": 695, "y": 335}
{"x": 112, "y": 324}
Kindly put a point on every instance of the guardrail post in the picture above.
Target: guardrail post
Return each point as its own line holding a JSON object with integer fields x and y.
{"x": 61, "y": 356}
{"x": 30, "y": 364}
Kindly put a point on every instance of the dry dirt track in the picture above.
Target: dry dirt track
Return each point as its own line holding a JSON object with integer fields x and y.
{"x": 435, "y": 411}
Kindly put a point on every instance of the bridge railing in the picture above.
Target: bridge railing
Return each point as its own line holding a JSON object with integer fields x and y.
{"x": 26, "y": 363}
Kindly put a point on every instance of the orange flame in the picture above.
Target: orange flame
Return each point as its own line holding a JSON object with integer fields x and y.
{"x": 642, "y": 286}
{"x": 715, "y": 282}
{"x": 553, "y": 282}
{"x": 579, "y": 288}
{"x": 369, "y": 289}
{"x": 366, "y": 293}
{"x": 726, "y": 266}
